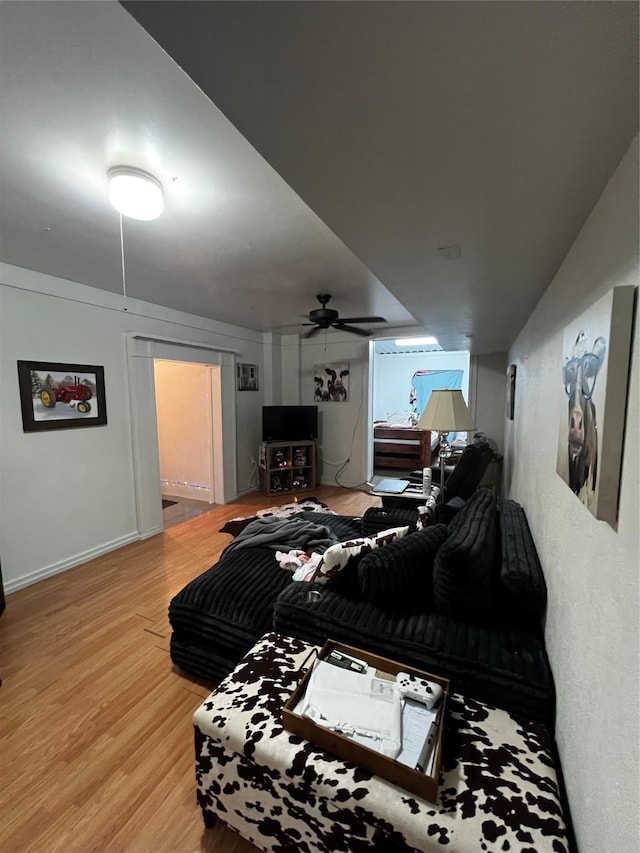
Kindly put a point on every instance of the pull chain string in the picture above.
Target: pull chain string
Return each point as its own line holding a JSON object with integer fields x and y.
{"x": 124, "y": 276}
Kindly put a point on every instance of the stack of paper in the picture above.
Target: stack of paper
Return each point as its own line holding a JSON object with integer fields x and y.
{"x": 354, "y": 703}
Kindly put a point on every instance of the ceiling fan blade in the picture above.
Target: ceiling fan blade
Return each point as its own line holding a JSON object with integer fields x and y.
{"x": 344, "y": 328}
{"x": 311, "y": 332}
{"x": 362, "y": 320}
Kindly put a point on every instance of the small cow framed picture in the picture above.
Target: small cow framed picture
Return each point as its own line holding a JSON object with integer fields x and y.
{"x": 592, "y": 382}
{"x": 61, "y": 396}
{"x": 331, "y": 383}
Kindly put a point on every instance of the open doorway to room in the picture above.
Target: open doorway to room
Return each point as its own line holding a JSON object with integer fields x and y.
{"x": 142, "y": 351}
{"x": 184, "y": 408}
{"x": 402, "y": 379}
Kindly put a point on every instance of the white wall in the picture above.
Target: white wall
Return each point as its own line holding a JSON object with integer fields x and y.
{"x": 345, "y": 427}
{"x": 591, "y": 570}
{"x": 185, "y": 429}
{"x": 393, "y": 373}
{"x": 69, "y": 495}
{"x": 342, "y": 426}
{"x": 487, "y": 392}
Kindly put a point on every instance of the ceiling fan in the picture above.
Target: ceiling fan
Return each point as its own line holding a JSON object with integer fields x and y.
{"x": 323, "y": 318}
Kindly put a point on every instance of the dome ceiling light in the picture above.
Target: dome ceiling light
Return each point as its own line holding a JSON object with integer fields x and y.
{"x": 135, "y": 193}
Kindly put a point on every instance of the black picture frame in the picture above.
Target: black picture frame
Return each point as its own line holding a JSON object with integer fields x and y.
{"x": 55, "y": 395}
{"x": 511, "y": 391}
{"x": 248, "y": 378}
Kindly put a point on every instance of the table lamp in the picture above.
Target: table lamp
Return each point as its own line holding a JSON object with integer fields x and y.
{"x": 445, "y": 412}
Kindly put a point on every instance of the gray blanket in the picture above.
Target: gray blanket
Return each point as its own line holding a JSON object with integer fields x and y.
{"x": 284, "y": 534}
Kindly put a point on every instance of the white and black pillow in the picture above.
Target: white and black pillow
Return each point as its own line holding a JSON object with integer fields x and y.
{"x": 347, "y": 555}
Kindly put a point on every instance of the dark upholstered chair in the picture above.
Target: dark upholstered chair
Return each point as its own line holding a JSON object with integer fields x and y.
{"x": 466, "y": 476}
{"x": 463, "y": 480}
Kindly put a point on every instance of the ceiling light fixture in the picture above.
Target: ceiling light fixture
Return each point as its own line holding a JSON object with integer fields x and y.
{"x": 135, "y": 193}
{"x": 416, "y": 341}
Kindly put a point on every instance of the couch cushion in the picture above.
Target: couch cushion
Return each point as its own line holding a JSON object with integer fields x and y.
{"x": 500, "y": 664}
{"x": 464, "y": 566}
{"x": 402, "y": 571}
{"x": 218, "y": 615}
{"x": 521, "y": 574}
{"x": 346, "y": 555}
{"x": 378, "y": 518}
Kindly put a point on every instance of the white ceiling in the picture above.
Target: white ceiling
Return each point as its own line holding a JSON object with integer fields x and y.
{"x": 85, "y": 88}
{"x": 405, "y": 127}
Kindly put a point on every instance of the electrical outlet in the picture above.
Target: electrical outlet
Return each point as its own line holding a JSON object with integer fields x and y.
{"x": 253, "y": 460}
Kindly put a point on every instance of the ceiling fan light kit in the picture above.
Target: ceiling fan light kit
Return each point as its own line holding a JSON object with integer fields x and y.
{"x": 324, "y": 318}
{"x": 408, "y": 342}
{"x": 135, "y": 193}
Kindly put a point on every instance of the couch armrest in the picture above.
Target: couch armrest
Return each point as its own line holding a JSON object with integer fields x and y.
{"x": 521, "y": 574}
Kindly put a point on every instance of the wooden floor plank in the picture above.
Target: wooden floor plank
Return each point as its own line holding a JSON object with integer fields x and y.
{"x": 96, "y": 739}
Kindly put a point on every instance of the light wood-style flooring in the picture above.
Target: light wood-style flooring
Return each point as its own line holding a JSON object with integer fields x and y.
{"x": 96, "y": 740}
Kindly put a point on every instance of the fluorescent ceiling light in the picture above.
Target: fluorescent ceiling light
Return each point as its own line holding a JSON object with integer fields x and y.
{"x": 410, "y": 341}
{"x": 135, "y": 193}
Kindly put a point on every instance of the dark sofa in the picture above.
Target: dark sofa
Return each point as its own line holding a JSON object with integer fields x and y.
{"x": 464, "y": 600}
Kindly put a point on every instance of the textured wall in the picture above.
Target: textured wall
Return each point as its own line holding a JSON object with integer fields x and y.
{"x": 591, "y": 569}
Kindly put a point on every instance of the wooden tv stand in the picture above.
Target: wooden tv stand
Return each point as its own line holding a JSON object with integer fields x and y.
{"x": 404, "y": 448}
{"x": 287, "y": 467}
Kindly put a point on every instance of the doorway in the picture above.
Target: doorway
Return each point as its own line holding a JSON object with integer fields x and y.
{"x": 142, "y": 352}
{"x": 184, "y": 410}
{"x": 402, "y": 378}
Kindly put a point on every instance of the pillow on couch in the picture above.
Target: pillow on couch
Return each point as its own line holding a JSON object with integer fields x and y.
{"x": 402, "y": 570}
{"x": 464, "y": 565}
{"x": 386, "y": 537}
{"x": 520, "y": 570}
{"x": 348, "y": 554}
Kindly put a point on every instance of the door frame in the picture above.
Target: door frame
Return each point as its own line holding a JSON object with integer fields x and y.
{"x": 142, "y": 350}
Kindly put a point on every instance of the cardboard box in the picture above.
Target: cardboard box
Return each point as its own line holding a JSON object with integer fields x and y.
{"x": 343, "y": 747}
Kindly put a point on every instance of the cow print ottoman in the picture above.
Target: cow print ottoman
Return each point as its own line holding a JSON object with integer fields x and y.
{"x": 498, "y": 788}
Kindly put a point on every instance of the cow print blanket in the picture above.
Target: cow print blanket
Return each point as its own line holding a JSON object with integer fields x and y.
{"x": 498, "y": 786}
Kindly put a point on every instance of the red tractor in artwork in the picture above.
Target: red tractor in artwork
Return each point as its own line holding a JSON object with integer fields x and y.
{"x": 76, "y": 394}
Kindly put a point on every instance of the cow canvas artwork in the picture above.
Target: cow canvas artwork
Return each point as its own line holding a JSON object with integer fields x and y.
{"x": 592, "y": 382}
{"x": 331, "y": 383}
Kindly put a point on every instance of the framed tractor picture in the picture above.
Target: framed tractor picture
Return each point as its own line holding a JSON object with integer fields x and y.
{"x": 61, "y": 396}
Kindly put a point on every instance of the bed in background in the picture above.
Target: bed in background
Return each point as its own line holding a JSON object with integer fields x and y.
{"x": 398, "y": 444}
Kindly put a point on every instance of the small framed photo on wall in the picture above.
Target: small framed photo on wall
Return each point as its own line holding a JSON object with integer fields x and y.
{"x": 248, "y": 377}
{"x": 511, "y": 391}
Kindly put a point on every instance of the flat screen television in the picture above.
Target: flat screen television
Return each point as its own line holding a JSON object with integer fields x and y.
{"x": 289, "y": 423}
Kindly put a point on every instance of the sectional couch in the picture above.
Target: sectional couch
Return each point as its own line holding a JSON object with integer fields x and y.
{"x": 465, "y": 600}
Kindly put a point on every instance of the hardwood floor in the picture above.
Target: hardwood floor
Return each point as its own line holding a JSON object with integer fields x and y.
{"x": 96, "y": 741}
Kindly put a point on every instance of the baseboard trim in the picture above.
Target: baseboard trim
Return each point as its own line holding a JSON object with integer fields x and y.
{"x": 152, "y": 532}
{"x": 70, "y": 563}
{"x": 241, "y": 493}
